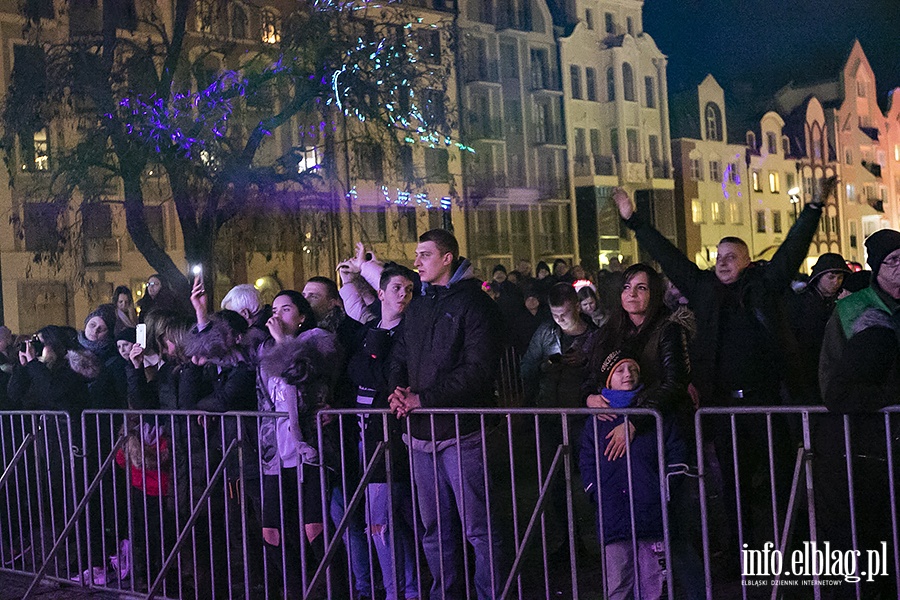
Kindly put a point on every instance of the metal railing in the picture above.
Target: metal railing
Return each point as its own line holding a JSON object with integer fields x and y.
{"x": 461, "y": 503}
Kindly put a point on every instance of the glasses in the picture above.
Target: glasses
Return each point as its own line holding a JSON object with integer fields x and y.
{"x": 153, "y": 284}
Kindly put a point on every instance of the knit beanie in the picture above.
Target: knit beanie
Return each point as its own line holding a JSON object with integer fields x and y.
{"x": 107, "y": 312}
{"x": 613, "y": 360}
{"x": 829, "y": 262}
{"x": 879, "y": 245}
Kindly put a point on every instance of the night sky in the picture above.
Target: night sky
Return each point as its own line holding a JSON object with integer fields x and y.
{"x": 771, "y": 42}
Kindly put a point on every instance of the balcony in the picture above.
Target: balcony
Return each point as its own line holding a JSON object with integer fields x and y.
{"x": 545, "y": 84}
{"x": 583, "y": 166}
{"x": 658, "y": 171}
{"x": 486, "y": 185}
{"x": 548, "y": 136}
{"x": 481, "y": 71}
{"x": 485, "y": 129}
{"x": 102, "y": 252}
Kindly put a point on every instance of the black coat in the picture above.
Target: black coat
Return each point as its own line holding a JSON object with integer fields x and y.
{"x": 448, "y": 352}
{"x": 809, "y": 312}
{"x": 759, "y": 291}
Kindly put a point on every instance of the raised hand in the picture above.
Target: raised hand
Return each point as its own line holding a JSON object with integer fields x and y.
{"x": 623, "y": 203}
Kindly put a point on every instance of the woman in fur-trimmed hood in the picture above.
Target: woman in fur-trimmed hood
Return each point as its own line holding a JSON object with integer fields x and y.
{"x": 296, "y": 374}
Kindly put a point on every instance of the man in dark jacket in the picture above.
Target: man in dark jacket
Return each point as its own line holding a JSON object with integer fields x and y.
{"x": 447, "y": 356}
{"x": 809, "y": 312}
{"x": 738, "y": 356}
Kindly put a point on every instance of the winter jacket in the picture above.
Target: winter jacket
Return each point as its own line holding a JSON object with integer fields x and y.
{"x": 34, "y": 386}
{"x": 147, "y": 456}
{"x": 809, "y": 312}
{"x": 759, "y": 292}
{"x": 297, "y": 377}
{"x": 613, "y": 483}
{"x": 109, "y": 389}
{"x": 557, "y": 385}
{"x": 368, "y": 370}
{"x": 448, "y": 351}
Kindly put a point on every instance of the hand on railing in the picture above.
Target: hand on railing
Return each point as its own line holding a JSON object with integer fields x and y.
{"x": 404, "y": 401}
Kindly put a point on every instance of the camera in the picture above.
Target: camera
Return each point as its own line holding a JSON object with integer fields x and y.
{"x": 36, "y": 344}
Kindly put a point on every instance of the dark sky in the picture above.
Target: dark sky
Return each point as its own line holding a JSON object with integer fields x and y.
{"x": 770, "y": 42}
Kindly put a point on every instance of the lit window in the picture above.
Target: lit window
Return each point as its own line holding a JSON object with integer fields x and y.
{"x": 697, "y": 211}
{"x": 41, "y": 151}
{"x": 897, "y": 152}
{"x": 271, "y": 27}
{"x": 757, "y": 185}
{"x": 774, "y": 186}
{"x": 735, "y": 214}
{"x": 716, "y": 212}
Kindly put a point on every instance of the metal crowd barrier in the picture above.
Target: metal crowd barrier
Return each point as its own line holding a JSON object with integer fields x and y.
{"x": 172, "y": 505}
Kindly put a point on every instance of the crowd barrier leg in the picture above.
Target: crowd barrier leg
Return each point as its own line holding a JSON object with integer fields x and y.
{"x": 11, "y": 467}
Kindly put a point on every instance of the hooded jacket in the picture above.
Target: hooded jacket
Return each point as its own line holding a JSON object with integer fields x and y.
{"x": 303, "y": 371}
{"x": 448, "y": 351}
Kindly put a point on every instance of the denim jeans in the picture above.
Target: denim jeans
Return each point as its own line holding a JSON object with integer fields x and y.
{"x": 451, "y": 476}
{"x": 355, "y": 540}
{"x": 620, "y": 570}
{"x": 398, "y": 569}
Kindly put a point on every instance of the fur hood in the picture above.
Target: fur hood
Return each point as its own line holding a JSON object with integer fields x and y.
{"x": 85, "y": 363}
{"x": 217, "y": 343}
{"x": 311, "y": 355}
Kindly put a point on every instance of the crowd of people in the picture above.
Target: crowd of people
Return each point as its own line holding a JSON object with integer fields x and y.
{"x": 388, "y": 337}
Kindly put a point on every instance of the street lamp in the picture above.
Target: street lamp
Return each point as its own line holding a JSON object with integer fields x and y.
{"x": 794, "y": 195}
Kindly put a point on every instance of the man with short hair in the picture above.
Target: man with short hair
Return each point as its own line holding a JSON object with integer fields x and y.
{"x": 447, "y": 356}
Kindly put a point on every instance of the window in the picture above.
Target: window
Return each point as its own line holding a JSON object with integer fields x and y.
{"x": 771, "y": 144}
{"x": 96, "y": 220}
{"x": 854, "y": 235}
{"x": 716, "y": 213}
{"x": 614, "y": 144}
{"x": 760, "y": 221}
{"x": 715, "y": 171}
{"x": 39, "y": 159}
{"x": 634, "y": 147}
{"x": 655, "y": 156}
{"x": 628, "y": 82}
{"x": 861, "y": 89}
{"x": 575, "y": 74}
{"x": 735, "y": 213}
{"x": 713, "y": 116}
{"x": 757, "y": 184}
{"x": 42, "y": 226}
{"x": 429, "y": 42}
{"x": 590, "y": 79}
{"x": 650, "y": 92}
{"x": 629, "y": 25}
{"x": 270, "y": 27}
{"x": 897, "y": 152}
{"x": 580, "y": 143}
{"x": 751, "y": 140}
{"x": 776, "y": 221}
{"x": 369, "y": 161}
{"x": 595, "y": 142}
{"x": 589, "y": 18}
{"x": 509, "y": 60}
{"x": 697, "y": 211}
{"x": 785, "y": 145}
{"x": 433, "y": 107}
{"x": 610, "y": 23}
{"x": 848, "y": 156}
{"x": 512, "y": 116}
{"x": 238, "y": 22}
{"x": 407, "y": 167}
{"x": 789, "y": 181}
{"x": 373, "y": 220}
{"x": 734, "y": 176}
{"x": 156, "y": 223}
{"x": 540, "y": 69}
{"x": 610, "y": 85}
{"x": 774, "y": 184}
{"x": 696, "y": 169}
{"x": 436, "y": 165}
{"x": 407, "y": 224}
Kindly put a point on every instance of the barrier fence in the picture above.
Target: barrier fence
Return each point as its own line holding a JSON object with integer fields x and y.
{"x": 495, "y": 503}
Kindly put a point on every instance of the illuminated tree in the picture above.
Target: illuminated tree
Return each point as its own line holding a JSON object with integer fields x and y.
{"x": 226, "y": 108}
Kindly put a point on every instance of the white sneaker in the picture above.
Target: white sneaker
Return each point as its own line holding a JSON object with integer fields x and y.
{"x": 92, "y": 576}
{"x": 121, "y": 563}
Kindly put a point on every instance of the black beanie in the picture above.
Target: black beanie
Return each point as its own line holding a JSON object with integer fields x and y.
{"x": 879, "y": 245}
{"x": 613, "y": 360}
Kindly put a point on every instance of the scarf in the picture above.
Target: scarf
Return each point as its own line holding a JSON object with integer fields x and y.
{"x": 620, "y": 398}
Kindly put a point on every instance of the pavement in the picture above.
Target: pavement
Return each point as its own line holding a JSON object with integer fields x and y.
{"x": 13, "y": 587}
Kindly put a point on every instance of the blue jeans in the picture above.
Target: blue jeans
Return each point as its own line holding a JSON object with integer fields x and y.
{"x": 398, "y": 568}
{"x": 454, "y": 476}
{"x": 355, "y": 540}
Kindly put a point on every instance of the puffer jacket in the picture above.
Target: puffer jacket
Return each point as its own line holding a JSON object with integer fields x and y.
{"x": 613, "y": 483}
{"x": 309, "y": 364}
{"x": 760, "y": 289}
{"x": 448, "y": 351}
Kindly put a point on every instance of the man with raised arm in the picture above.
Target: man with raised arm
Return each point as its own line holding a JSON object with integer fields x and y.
{"x": 743, "y": 342}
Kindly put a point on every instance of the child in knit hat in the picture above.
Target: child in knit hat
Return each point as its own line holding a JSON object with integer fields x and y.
{"x": 606, "y": 480}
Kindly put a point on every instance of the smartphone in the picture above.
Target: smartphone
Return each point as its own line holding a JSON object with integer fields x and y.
{"x": 197, "y": 270}
{"x": 141, "y": 335}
